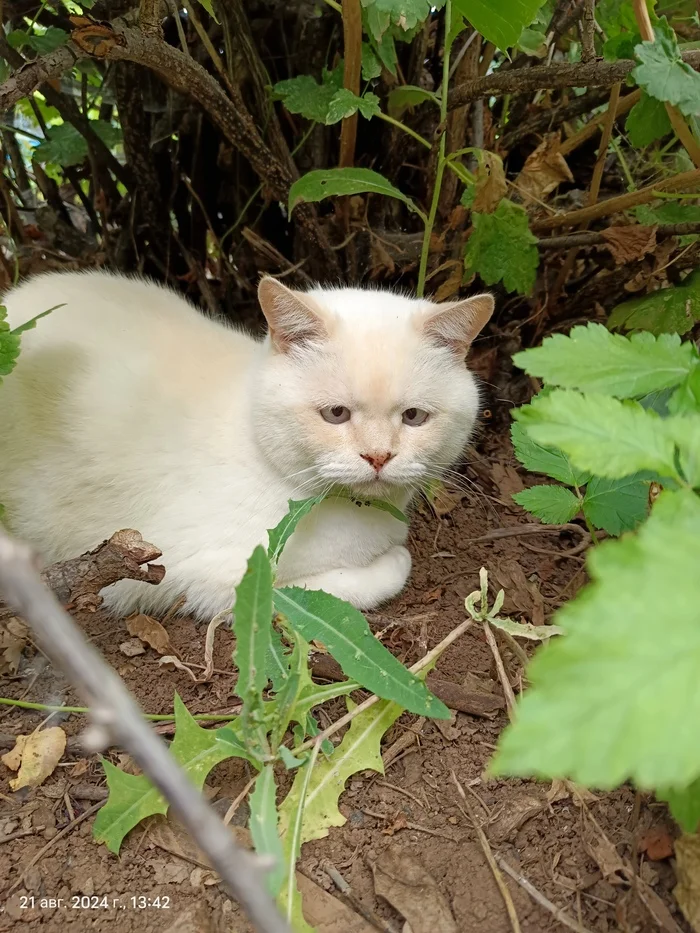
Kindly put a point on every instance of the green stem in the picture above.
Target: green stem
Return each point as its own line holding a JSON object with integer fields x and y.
{"x": 153, "y": 717}
{"x": 402, "y": 126}
{"x": 425, "y": 252}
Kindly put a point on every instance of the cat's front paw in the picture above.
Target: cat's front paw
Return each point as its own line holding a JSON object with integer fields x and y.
{"x": 396, "y": 564}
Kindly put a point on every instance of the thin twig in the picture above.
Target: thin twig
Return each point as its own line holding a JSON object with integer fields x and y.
{"x": 117, "y": 717}
{"x": 528, "y": 529}
{"x": 595, "y": 238}
{"x": 502, "y": 675}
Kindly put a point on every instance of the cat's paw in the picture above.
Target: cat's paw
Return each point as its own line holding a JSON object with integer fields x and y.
{"x": 396, "y": 564}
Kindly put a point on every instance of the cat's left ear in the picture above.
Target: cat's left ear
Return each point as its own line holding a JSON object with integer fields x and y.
{"x": 290, "y": 316}
{"x": 455, "y": 324}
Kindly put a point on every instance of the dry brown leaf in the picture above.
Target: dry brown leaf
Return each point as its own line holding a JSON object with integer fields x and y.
{"x": 132, "y": 647}
{"x": 687, "y": 890}
{"x": 506, "y": 478}
{"x": 657, "y": 842}
{"x": 560, "y": 790}
{"x": 606, "y": 857}
{"x": 402, "y": 881}
{"x": 628, "y": 244}
{"x": 511, "y": 577}
{"x": 445, "y": 500}
{"x": 13, "y": 758}
{"x": 79, "y": 768}
{"x": 519, "y": 810}
{"x": 544, "y": 170}
{"x": 14, "y": 636}
{"x": 399, "y": 822}
{"x": 452, "y": 283}
{"x": 490, "y": 184}
{"x": 40, "y": 753}
{"x": 151, "y": 632}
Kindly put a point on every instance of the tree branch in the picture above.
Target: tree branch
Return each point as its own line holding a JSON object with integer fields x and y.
{"x": 540, "y": 77}
{"x": 352, "y": 48}
{"x": 118, "y": 718}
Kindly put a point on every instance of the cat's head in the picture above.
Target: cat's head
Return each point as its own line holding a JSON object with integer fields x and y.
{"x": 365, "y": 388}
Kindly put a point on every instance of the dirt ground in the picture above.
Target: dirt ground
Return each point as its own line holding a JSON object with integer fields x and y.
{"x": 607, "y": 859}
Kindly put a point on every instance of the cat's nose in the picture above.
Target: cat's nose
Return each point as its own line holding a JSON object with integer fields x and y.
{"x": 377, "y": 460}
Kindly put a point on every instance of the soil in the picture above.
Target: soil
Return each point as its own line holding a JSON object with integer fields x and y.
{"x": 592, "y": 857}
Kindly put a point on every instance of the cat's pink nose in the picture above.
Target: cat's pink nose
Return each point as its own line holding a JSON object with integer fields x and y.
{"x": 377, "y": 460}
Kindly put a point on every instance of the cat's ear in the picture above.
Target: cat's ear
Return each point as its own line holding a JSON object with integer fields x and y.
{"x": 289, "y": 314}
{"x": 455, "y": 324}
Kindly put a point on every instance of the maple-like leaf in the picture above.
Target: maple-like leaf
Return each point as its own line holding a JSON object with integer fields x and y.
{"x": 502, "y": 248}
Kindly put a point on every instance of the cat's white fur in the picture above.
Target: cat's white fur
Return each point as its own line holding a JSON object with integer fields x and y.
{"x": 130, "y": 408}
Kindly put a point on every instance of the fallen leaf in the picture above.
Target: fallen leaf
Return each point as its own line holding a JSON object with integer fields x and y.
{"x": 628, "y": 244}
{"x": 511, "y": 577}
{"x": 606, "y": 857}
{"x": 543, "y": 171}
{"x": 561, "y": 790}
{"x": 40, "y": 753}
{"x": 508, "y": 481}
{"x": 168, "y": 872}
{"x": 444, "y": 500}
{"x": 490, "y": 184}
{"x": 79, "y": 768}
{"x": 132, "y": 647}
{"x": 169, "y": 660}
{"x": 452, "y": 284}
{"x": 687, "y": 891}
{"x": 14, "y": 636}
{"x": 13, "y": 758}
{"x": 399, "y": 822}
{"x": 520, "y": 809}
{"x": 151, "y": 632}
{"x": 657, "y": 843}
{"x": 402, "y": 881}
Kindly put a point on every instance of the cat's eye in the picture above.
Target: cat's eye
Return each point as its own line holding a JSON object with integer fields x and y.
{"x": 336, "y": 414}
{"x": 415, "y": 417}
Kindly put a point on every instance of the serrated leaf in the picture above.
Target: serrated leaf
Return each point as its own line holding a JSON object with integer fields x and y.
{"x": 335, "y": 182}
{"x": 371, "y": 66}
{"x": 663, "y": 74}
{"x": 263, "y": 827}
{"x": 592, "y": 359}
{"x": 686, "y": 399}
{"x": 43, "y": 43}
{"x": 345, "y": 104}
{"x": 668, "y": 310}
{"x": 278, "y": 536}
{"x": 554, "y": 505}
{"x": 382, "y": 504}
{"x": 408, "y": 95}
{"x": 647, "y": 121}
{"x": 608, "y": 437}
{"x": 318, "y": 616}
{"x": 668, "y": 212}
{"x": 623, "y": 679}
{"x": 359, "y": 751}
{"x": 132, "y": 797}
{"x": 277, "y": 662}
{"x": 304, "y": 95}
{"x": 285, "y": 701}
{"x": 406, "y": 14}
{"x": 500, "y": 22}
{"x": 66, "y": 146}
{"x": 502, "y": 248}
{"x": 538, "y": 459}
{"x": 31, "y": 323}
{"x": 685, "y": 430}
{"x": 616, "y": 505}
{"x": 684, "y": 804}
{"x": 9, "y": 345}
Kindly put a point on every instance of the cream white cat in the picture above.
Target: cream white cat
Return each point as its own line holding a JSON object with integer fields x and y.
{"x": 130, "y": 408}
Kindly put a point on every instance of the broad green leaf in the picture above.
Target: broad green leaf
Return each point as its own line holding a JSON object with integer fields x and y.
{"x": 686, "y": 399}
{"x": 617, "y": 16}
{"x": 502, "y": 248}
{"x": 263, "y": 826}
{"x": 499, "y": 22}
{"x": 621, "y": 46}
{"x": 617, "y": 697}
{"x": 345, "y": 104}
{"x": 554, "y": 505}
{"x": 359, "y": 751}
{"x": 667, "y": 212}
{"x": 207, "y": 4}
{"x": 304, "y": 95}
{"x": 667, "y": 310}
{"x": 684, "y": 804}
{"x": 647, "y": 121}
{"x": 9, "y": 345}
{"x": 616, "y": 505}
{"x": 609, "y": 437}
{"x": 253, "y": 630}
{"x": 371, "y": 66}
{"x": 286, "y": 700}
{"x": 594, "y": 360}
{"x": 685, "y": 430}
{"x": 279, "y": 535}
{"x": 406, "y": 14}
{"x": 43, "y": 43}
{"x": 664, "y": 75}
{"x": 318, "y": 616}
{"x": 66, "y": 146}
{"x": 132, "y": 797}
{"x": 533, "y": 42}
{"x": 538, "y": 459}
{"x": 277, "y": 662}
{"x": 333, "y": 182}
{"x": 408, "y": 95}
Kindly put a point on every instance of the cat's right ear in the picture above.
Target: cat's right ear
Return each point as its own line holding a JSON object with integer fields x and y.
{"x": 290, "y": 317}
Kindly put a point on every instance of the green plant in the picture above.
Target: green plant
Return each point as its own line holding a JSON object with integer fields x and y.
{"x": 617, "y": 697}
{"x": 276, "y": 725}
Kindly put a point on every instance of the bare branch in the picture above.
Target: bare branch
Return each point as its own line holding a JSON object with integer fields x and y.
{"x": 117, "y": 715}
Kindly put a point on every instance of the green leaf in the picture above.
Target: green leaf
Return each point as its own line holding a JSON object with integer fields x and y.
{"x": 548, "y": 460}
{"x": 533, "y": 42}
{"x": 668, "y": 310}
{"x": 406, "y": 14}
{"x": 286, "y": 700}
{"x": 684, "y": 804}
{"x": 524, "y": 629}
{"x": 207, "y": 4}
{"x": 371, "y": 66}
{"x": 501, "y": 248}
{"x": 664, "y": 75}
{"x": 667, "y": 212}
{"x": 277, "y": 662}
{"x": 318, "y": 616}
{"x": 279, "y": 535}
{"x": 685, "y": 430}
{"x": 132, "y": 797}
{"x": 406, "y": 96}
{"x": 382, "y": 504}
{"x": 31, "y": 323}
{"x": 9, "y": 345}
{"x": 253, "y": 630}
{"x": 686, "y": 398}
{"x": 345, "y": 104}
{"x": 594, "y": 360}
{"x": 499, "y": 22}
{"x": 263, "y": 827}
{"x": 304, "y": 95}
{"x": 333, "y": 182}
{"x": 616, "y": 505}
{"x": 647, "y": 121}
{"x": 359, "y": 751}
{"x": 43, "y": 43}
{"x": 604, "y": 435}
{"x": 66, "y": 146}
{"x": 554, "y": 505}
{"x": 617, "y": 697}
